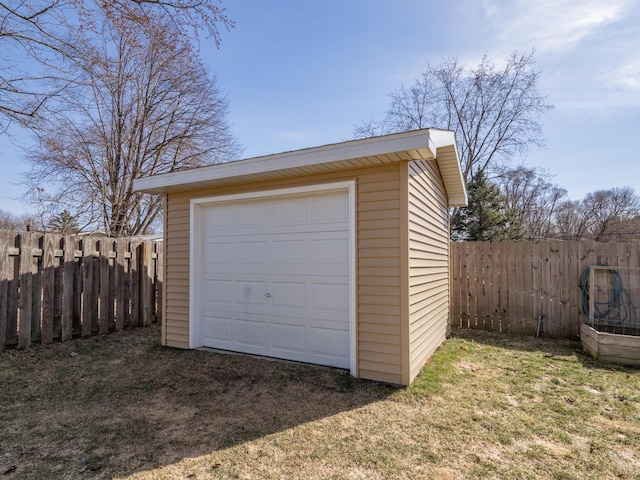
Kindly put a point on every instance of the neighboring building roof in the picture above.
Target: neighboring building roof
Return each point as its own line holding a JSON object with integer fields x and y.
{"x": 426, "y": 144}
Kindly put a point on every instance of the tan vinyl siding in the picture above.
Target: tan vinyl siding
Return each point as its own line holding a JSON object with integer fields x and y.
{"x": 379, "y": 286}
{"x": 428, "y": 262}
{"x": 378, "y": 256}
{"x": 176, "y": 312}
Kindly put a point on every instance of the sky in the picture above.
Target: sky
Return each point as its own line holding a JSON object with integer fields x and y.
{"x": 301, "y": 74}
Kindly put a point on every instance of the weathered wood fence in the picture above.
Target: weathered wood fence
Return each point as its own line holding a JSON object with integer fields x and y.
{"x": 55, "y": 287}
{"x": 528, "y": 287}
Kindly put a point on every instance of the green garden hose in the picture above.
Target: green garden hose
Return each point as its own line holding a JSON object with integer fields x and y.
{"x": 617, "y": 310}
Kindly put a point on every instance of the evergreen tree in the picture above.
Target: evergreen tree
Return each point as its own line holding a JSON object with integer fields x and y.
{"x": 487, "y": 217}
{"x": 64, "y": 222}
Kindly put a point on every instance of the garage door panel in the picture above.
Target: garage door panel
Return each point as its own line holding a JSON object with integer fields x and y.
{"x": 332, "y": 343}
{"x": 252, "y": 333}
{"x": 220, "y": 253}
{"x": 321, "y": 301}
{"x": 288, "y": 338}
{"x": 285, "y": 271}
{"x": 279, "y": 234}
{"x": 220, "y": 219}
{"x": 276, "y": 277}
{"x": 219, "y": 291}
{"x": 290, "y": 295}
{"x": 329, "y": 252}
{"x": 219, "y": 330}
{"x": 329, "y": 210}
{"x": 287, "y": 252}
{"x": 251, "y": 293}
{"x": 251, "y": 253}
{"x": 288, "y": 212}
{"x": 331, "y": 297}
{"x": 250, "y": 215}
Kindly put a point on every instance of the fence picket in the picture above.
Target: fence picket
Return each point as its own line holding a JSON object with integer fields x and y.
{"x": 473, "y": 284}
{"x": 36, "y": 288}
{"x": 121, "y": 266}
{"x": 524, "y": 280}
{"x": 55, "y": 287}
{"x": 564, "y": 296}
{"x": 48, "y": 288}
{"x": 87, "y": 287}
{"x": 495, "y": 286}
{"x": 529, "y": 315}
{"x": 536, "y": 284}
{"x": 515, "y": 286}
{"x": 103, "y": 291}
{"x": 6, "y": 273}
{"x": 25, "y": 297}
{"x": 146, "y": 279}
{"x": 134, "y": 283}
{"x": 454, "y": 278}
{"x": 78, "y": 279}
{"x": 158, "y": 284}
{"x": 545, "y": 287}
{"x": 503, "y": 286}
{"x": 464, "y": 284}
{"x": 68, "y": 281}
{"x": 480, "y": 285}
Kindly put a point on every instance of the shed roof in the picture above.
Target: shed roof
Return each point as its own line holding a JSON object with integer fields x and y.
{"x": 425, "y": 144}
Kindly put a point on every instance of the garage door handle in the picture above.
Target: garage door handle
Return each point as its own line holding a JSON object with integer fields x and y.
{"x": 267, "y": 294}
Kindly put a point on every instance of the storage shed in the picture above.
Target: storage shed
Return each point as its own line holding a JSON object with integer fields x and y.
{"x": 336, "y": 255}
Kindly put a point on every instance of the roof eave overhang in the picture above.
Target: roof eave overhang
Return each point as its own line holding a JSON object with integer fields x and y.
{"x": 414, "y": 145}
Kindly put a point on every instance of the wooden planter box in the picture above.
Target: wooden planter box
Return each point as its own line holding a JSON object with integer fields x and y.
{"x": 610, "y": 347}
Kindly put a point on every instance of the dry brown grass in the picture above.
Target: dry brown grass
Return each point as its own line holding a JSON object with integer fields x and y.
{"x": 488, "y": 406}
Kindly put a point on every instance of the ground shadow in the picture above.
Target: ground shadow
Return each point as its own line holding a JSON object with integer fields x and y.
{"x": 119, "y": 404}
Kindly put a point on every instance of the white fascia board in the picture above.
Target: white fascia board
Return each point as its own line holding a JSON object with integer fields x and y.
{"x": 454, "y": 181}
{"x": 399, "y": 142}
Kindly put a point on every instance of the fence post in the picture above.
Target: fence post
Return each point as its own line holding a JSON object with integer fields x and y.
{"x": 26, "y": 282}
{"x": 6, "y": 272}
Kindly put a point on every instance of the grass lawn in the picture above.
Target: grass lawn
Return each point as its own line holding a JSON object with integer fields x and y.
{"x": 487, "y": 406}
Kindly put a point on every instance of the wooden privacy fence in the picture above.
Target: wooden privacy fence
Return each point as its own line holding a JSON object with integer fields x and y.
{"x": 55, "y": 287}
{"x": 529, "y": 287}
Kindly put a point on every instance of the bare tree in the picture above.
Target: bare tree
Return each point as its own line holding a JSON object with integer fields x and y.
{"x": 569, "y": 224}
{"x": 36, "y": 34}
{"x": 532, "y": 197}
{"x": 603, "y": 215}
{"x": 494, "y": 111}
{"x": 10, "y": 221}
{"x": 142, "y": 104}
{"x": 25, "y": 33}
{"x": 608, "y": 210}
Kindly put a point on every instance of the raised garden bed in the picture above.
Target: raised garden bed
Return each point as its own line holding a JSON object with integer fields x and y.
{"x": 610, "y": 347}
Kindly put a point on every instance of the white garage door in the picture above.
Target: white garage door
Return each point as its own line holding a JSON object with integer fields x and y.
{"x": 275, "y": 277}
